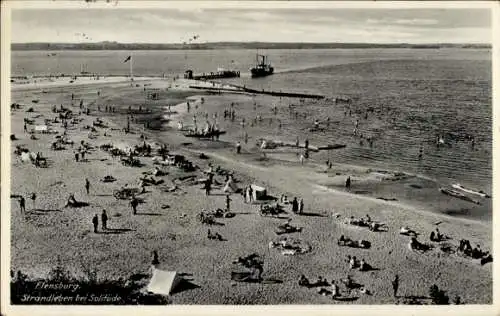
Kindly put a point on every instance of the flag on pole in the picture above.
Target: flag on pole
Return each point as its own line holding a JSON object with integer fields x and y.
{"x": 127, "y": 59}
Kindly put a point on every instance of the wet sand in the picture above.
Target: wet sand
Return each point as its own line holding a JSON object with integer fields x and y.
{"x": 56, "y": 235}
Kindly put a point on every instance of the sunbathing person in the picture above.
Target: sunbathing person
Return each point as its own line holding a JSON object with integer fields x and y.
{"x": 344, "y": 241}
{"x": 486, "y": 259}
{"x": 414, "y": 244}
{"x": 363, "y": 266}
{"x": 353, "y": 263}
{"x": 433, "y": 237}
{"x": 375, "y": 227}
{"x": 365, "y": 291}
{"x": 303, "y": 281}
{"x": 335, "y": 290}
{"x": 465, "y": 247}
{"x": 476, "y": 252}
{"x": 407, "y": 231}
{"x": 323, "y": 291}
{"x": 71, "y": 200}
{"x": 348, "y": 282}
{"x": 321, "y": 282}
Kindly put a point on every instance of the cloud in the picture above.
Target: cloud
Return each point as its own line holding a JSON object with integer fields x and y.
{"x": 304, "y": 25}
{"x": 416, "y": 22}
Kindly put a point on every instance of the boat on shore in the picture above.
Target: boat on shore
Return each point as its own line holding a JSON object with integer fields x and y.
{"x": 262, "y": 67}
{"x": 461, "y": 187}
{"x": 458, "y": 195}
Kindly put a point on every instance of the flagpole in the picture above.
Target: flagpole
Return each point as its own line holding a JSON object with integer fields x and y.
{"x": 131, "y": 73}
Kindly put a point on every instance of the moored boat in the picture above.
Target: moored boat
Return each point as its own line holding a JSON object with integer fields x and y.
{"x": 262, "y": 68}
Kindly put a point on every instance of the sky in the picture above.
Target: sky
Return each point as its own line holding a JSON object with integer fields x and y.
{"x": 251, "y": 24}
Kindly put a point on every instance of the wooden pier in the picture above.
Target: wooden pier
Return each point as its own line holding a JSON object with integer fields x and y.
{"x": 240, "y": 89}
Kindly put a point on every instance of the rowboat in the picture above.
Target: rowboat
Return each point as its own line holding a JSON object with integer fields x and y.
{"x": 461, "y": 187}
{"x": 458, "y": 195}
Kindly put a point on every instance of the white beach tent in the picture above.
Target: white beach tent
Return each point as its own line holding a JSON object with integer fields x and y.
{"x": 258, "y": 192}
{"x": 163, "y": 282}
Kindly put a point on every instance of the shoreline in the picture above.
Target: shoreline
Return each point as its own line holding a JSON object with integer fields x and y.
{"x": 181, "y": 115}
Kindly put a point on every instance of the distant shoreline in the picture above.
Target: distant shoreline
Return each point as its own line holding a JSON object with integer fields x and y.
{"x": 229, "y": 45}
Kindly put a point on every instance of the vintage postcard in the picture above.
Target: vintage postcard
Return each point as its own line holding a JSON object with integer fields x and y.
{"x": 222, "y": 157}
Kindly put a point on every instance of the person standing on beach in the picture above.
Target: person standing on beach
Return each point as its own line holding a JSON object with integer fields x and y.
{"x": 33, "y": 198}
{"x": 395, "y": 285}
{"x": 238, "y": 147}
{"x": 295, "y": 205}
{"x": 104, "y": 220}
{"x": 306, "y": 143}
{"x": 245, "y": 195}
{"x": 134, "y": 204}
{"x": 228, "y": 203}
{"x": 301, "y": 205}
{"x": 348, "y": 183}
{"x": 208, "y": 186}
{"x": 87, "y": 185}
{"x": 250, "y": 194}
{"x": 76, "y": 156}
{"x": 155, "y": 260}
{"x": 95, "y": 222}
{"x": 22, "y": 205}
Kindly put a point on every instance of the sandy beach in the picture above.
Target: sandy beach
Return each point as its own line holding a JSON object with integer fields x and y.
{"x": 51, "y": 234}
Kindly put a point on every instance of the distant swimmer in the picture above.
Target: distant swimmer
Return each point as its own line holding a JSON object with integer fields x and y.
{"x": 348, "y": 183}
{"x": 439, "y": 141}
{"x": 302, "y": 158}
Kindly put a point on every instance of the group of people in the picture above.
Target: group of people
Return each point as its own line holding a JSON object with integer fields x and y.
{"x": 355, "y": 264}
{"x": 437, "y": 236}
{"x": 475, "y": 253}
{"x": 334, "y": 290}
{"x": 104, "y": 221}
{"x": 248, "y": 194}
{"x": 297, "y": 206}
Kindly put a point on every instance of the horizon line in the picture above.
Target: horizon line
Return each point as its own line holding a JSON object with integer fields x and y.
{"x": 253, "y": 42}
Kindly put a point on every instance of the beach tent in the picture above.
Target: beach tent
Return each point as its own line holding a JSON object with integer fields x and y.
{"x": 163, "y": 282}
{"x": 258, "y": 192}
{"x": 41, "y": 128}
